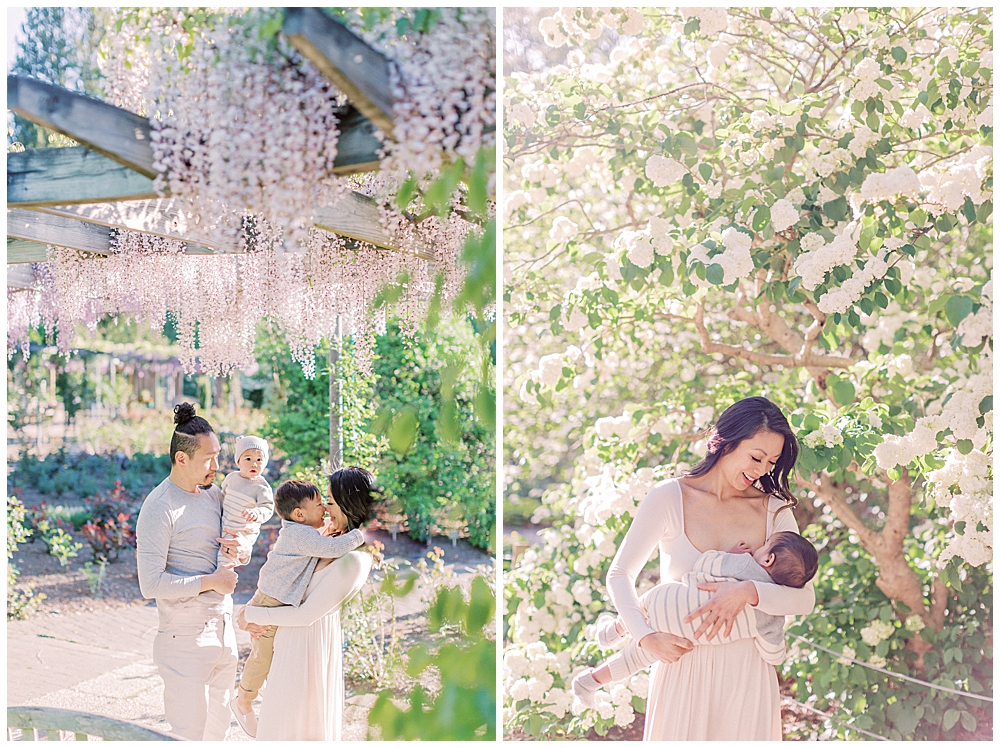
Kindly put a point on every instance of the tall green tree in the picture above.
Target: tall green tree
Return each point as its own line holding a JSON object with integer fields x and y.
{"x": 58, "y": 46}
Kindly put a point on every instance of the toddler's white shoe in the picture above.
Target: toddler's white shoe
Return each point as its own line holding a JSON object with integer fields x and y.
{"x": 247, "y": 722}
{"x": 584, "y": 686}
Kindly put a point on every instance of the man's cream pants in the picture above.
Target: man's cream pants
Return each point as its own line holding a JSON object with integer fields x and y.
{"x": 198, "y": 668}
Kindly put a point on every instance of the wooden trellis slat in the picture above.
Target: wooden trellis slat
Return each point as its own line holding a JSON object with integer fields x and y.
{"x": 123, "y": 136}
{"x": 354, "y": 216}
{"x": 21, "y": 276}
{"x": 70, "y": 176}
{"x": 118, "y": 134}
{"x": 62, "y": 231}
{"x": 160, "y": 217}
{"x": 357, "y": 69}
{"x": 21, "y": 251}
{"x": 66, "y": 232}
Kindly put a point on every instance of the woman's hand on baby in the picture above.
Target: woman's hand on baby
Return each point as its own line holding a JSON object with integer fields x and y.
{"x": 665, "y": 647}
{"x": 721, "y": 610}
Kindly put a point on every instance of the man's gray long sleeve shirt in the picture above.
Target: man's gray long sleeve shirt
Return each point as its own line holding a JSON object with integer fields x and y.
{"x": 176, "y": 544}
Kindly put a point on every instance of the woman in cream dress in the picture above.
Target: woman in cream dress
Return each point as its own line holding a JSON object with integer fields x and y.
{"x": 304, "y": 696}
{"x": 725, "y": 691}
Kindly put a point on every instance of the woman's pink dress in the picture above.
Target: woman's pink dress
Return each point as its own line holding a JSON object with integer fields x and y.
{"x": 714, "y": 692}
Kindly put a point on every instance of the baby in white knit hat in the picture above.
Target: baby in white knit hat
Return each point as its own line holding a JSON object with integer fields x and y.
{"x": 246, "y": 497}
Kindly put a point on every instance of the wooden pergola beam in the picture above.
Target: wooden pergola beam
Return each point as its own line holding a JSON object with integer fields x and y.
{"x": 62, "y": 231}
{"x": 115, "y": 133}
{"x": 44, "y": 229}
{"x": 160, "y": 217}
{"x": 21, "y": 252}
{"x": 123, "y": 136}
{"x": 70, "y": 176}
{"x": 20, "y": 276}
{"x": 355, "y": 216}
{"x": 357, "y": 69}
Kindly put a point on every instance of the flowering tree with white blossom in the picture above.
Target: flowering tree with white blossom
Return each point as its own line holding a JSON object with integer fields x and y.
{"x": 704, "y": 204}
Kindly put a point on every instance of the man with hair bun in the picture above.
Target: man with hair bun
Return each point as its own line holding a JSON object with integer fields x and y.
{"x": 177, "y": 549}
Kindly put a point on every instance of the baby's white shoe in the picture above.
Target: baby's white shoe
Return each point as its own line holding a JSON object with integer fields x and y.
{"x": 607, "y": 632}
{"x": 585, "y": 687}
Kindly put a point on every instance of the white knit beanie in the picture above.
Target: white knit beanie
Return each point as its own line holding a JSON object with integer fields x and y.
{"x": 251, "y": 442}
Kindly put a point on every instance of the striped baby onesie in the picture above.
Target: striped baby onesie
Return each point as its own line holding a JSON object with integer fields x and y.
{"x": 667, "y": 605}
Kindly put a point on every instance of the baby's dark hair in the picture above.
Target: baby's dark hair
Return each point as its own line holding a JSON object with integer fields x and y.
{"x": 187, "y": 429}
{"x": 352, "y": 488}
{"x": 292, "y": 494}
{"x": 795, "y": 559}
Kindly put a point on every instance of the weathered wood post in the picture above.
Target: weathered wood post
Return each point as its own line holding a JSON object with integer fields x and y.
{"x": 336, "y": 409}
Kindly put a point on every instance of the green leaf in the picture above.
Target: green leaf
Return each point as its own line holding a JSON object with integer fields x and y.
{"x": 898, "y": 54}
{"x": 964, "y": 446}
{"x": 403, "y": 431}
{"x": 835, "y": 210}
{"x": 986, "y": 405}
{"x": 705, "y": 170}
{"x": 950, "y": 719}
{"x": 969, "y": 721}
{"x": 957, "y": 308}
{"x": 714, "y": 274}
{"x": 761, "y": 218}
{"x": 841, "y": 390}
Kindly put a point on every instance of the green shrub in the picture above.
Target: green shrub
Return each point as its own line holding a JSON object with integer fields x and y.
{"x": 21, "y": 601}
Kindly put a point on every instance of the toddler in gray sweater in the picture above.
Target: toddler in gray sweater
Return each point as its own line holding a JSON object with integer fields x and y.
{"x": 786, "y": 558}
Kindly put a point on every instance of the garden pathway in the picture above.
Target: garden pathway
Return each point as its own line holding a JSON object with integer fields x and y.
{"x": 101, "y": 662}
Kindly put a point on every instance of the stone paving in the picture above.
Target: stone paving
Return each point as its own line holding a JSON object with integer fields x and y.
{"x": 101, "y": 662}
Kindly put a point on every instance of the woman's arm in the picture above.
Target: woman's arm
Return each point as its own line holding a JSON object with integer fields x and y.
{"x": 650, "y": 524}
{"x": 337, "y": 587}
{"x": 775, "y": 599}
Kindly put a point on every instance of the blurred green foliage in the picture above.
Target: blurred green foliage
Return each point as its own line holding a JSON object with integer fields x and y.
{"x": 465, "y": 706}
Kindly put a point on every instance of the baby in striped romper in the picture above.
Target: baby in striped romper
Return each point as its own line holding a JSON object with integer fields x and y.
{"x": 786, "y": 558}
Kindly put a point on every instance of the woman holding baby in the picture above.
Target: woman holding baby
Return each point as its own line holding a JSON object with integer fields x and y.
{"x": 738, "y": 494}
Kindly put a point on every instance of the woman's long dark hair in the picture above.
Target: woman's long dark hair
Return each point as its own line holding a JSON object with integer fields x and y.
{"x": 739, "y": 422}
{"x": 352, "y": 489}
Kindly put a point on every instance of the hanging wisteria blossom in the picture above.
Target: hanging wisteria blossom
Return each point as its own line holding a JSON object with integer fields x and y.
{"x": 245, "y": 136}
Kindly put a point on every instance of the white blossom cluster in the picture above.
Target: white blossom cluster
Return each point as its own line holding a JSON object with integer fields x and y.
{"x": 971, "y": 503}
{"x": 735, "y": 259}
{"x": 576, "y": 25}
{"x": 641, "y": 247}
{"x": 818, "y": 259}
{"x": 783, "y": 215}
{"x": 664, "y": 171}
{"x": 899, "y": 182}
{"x": 948, "y": 186}
{"x": 828, "y": 436}
{"x": 959, "y": 414}
{"x": 839, "y": 299}
{"x": 863, "y": 80}
{"x": 711, "y": 20}
{"x": 876, "y": 631}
